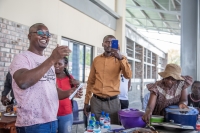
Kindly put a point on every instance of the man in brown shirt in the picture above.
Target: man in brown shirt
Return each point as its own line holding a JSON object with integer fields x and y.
{"x": 104, "y": 81}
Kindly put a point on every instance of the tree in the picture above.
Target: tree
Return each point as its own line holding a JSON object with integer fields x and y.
{"x": 174, "y": 56}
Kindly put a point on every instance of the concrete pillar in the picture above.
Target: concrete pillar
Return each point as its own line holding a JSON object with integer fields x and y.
{"x": 198, "y": 42}
{"x": 120, "y": 29}
{"x": 189, "y": 38}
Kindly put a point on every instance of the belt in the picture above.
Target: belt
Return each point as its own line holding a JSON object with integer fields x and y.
{"x": 105, "y": 99}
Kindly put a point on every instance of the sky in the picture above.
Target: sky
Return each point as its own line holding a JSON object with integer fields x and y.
{"x": 164, "y": 41}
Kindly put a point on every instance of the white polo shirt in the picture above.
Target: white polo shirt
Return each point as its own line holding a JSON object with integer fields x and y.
{"x": 123, "y": 88}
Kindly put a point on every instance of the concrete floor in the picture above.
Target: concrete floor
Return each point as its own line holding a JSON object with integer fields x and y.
{"x": 80, "y": 128}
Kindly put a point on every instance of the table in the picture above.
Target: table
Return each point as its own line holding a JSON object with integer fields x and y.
{"x": 8, "y": 122}
{"x": 173, "y": 130}
{"x": 166, "y": 130}
{"x": 113, "y": 126}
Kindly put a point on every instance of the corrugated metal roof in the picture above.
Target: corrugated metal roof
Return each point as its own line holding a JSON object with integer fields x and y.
{"x": 159, "y": 15}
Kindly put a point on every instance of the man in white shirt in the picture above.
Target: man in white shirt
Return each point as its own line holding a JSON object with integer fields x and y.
{"x": 124, "y": 88}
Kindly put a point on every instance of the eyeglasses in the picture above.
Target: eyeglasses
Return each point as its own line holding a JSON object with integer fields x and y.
{"x": 43, "y": 33}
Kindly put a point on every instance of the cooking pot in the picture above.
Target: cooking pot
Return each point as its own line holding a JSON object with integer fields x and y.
{"x": 131, "y": 118}
{"x": 189, "y": 118}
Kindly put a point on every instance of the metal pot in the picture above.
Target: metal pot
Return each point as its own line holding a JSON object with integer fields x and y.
{"x": 189, "y": 118}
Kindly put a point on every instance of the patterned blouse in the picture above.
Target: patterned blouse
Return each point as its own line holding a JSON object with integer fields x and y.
{"x": 165, "y": 96}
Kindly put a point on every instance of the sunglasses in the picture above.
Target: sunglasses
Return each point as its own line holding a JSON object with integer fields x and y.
{"x": 43, "y": 33}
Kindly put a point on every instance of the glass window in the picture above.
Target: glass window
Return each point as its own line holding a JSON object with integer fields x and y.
{"x": 131, "y": 65}
{"x": 79, "y": 60}
{"x": 138, "y": 70}
{"x": 145, "y": 71}
{"x": 148, "y": 72}
{"x": 130, "y": 47}
{"x": 88, "y": 61}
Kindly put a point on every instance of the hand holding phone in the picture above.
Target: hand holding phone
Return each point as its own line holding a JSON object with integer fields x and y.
{"x": 115, "y": 49}
{"x": 74, "y": 93}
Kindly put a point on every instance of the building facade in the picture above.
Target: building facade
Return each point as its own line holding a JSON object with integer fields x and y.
{"x": 81, "y": 24}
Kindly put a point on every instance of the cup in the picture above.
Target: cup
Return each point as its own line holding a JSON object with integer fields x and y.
{"x": 15, "y": 109}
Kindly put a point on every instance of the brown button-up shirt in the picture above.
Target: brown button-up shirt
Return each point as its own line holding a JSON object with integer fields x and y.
{"x": 104, "y": 78}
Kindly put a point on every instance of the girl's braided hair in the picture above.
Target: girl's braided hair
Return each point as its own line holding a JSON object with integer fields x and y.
{"x": 65, "y": 69}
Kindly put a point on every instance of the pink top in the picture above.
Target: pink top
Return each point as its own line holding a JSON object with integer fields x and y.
{"x": 39, "y": 103}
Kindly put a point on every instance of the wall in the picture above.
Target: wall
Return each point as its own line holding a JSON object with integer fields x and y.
{"x": 60, "y": 18}
{"x": 13, "y": 40}
{"x": 109, "y": 3}
{"x": 136, "y": 47}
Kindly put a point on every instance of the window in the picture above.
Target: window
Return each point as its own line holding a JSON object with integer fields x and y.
{"x": 132, "y": 66}
{"x": 80, "y": 59}
{"x": 130, "y": 48}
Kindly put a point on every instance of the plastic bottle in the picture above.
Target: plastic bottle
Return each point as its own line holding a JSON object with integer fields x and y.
{"x": 107, "y": 121}
{"x": 90, "y": 127}
{"x": 97, "y": 128}
{"x": 93, "y": 119}
{"x": 88, "y": 118}
{"x": 101, "y": 119}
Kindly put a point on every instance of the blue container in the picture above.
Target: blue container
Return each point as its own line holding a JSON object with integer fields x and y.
{"x": 189, "y": 118}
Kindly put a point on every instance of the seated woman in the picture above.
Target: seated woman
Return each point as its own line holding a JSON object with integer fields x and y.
{"x": 171, "y": 90}
{"x": 194, "y": 97}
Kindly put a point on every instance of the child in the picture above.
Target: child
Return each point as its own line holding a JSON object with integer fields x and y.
{"x": 194, "y": 97}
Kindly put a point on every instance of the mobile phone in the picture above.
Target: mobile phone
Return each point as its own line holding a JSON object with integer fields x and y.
{"x": 114, "y": 44}
{"x": 74, "y": 93}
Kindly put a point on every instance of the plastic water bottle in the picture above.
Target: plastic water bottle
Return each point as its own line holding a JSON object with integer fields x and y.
{"x": 198, "y": 124}
{"x": 101, "y": 119}
{"x": 90, "y": 126}
{"x": 107, "y": 121}
{"x": 97, "y": 128}
{"x": 93, "y": 119}
{"x": 88, "y": 118}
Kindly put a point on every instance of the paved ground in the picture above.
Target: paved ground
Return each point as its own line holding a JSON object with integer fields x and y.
{"x": 80, "y": 128}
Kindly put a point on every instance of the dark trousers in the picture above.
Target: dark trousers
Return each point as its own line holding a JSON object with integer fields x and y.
{"x": 124, "y": 104}
{"x": 112, "y": 107}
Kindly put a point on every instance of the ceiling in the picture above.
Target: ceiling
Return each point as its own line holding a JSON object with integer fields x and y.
{"x": 158, "y": 15}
